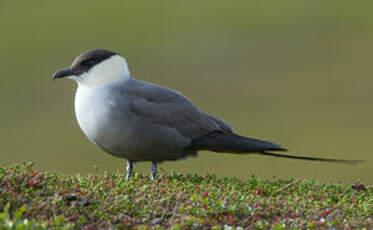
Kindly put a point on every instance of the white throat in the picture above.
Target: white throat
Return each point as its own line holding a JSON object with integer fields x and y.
{"x": 112, "y": 69}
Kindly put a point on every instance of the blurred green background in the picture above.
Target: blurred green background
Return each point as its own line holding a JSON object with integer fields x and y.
{"x": 298, "y": 73}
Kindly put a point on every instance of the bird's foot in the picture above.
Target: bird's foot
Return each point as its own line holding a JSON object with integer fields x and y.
{"x": 129, "y": 170}
{"x": 153, "y": 170}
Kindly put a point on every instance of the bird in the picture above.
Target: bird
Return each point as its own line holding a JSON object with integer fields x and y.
{"x": 141, "y": 121}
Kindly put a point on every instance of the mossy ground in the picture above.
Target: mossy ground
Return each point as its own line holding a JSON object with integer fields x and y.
{"x": 30, "y": 199}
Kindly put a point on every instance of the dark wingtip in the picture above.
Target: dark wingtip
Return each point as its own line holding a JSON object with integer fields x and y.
{"x": 279, "y": 148}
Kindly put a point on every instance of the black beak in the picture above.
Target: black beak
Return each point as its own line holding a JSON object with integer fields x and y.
{"x": 63, "y": 73}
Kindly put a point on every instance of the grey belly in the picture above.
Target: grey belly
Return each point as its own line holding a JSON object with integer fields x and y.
{"x": 122, "y": 134}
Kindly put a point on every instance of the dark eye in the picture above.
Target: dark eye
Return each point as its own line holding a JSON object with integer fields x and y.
{"x": 89, "y": 62}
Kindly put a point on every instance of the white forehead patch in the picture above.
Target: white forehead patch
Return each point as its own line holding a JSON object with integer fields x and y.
{"x": 112, "y": 69}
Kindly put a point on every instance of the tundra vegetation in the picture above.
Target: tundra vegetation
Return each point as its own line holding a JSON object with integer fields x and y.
{"x": 32, "y": 199}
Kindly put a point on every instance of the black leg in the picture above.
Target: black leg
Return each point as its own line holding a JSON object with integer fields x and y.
{"x": 153, "y": 170}
{"x": 129, "y": 169}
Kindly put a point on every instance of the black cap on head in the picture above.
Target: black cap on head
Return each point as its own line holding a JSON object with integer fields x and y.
{"x": 85, "y": 62}
{"x": 90, "y": 58}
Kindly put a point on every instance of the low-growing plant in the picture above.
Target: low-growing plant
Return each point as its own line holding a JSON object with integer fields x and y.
{"x": 31, "y": 199}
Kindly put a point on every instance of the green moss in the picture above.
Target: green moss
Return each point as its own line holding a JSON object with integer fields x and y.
{"x": 31, "y": 199}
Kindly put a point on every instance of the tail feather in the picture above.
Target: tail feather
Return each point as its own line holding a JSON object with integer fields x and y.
{"x": 233, "y": 143}
{"x": 351, "y": 162}
{"x": 229, "y": 142}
